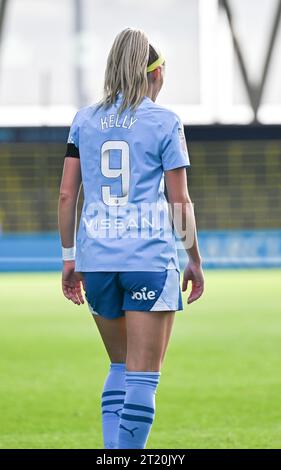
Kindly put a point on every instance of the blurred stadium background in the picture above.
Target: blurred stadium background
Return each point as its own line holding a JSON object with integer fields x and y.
{"x": 223, "y": 78}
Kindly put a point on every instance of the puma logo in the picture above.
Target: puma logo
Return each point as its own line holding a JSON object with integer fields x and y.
{"x": 131, "y": 431}
{"x": 116, "y": 412}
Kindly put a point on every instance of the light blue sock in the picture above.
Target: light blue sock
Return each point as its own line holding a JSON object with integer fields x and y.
{"x": 139, "y": 409}
{"x": 112, "y": 403}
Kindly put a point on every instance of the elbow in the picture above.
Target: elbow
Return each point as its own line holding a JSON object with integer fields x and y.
{"x": 67, "y": 198}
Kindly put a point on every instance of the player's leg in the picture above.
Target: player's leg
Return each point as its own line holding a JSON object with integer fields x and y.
{"x": 148, "y": 334}
{"x": 113, "y": 334}
{"x": 103, "y": 295}
{"x": 149, "y": 328}
{"x": 147, "y": 338}
{"x": 114, "y": 337}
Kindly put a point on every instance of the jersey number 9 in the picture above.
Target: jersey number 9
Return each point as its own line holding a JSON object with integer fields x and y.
{"x": 108, "y": 198}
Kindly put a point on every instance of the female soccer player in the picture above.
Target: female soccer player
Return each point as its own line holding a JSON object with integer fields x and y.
{"x": 124, "y": 254}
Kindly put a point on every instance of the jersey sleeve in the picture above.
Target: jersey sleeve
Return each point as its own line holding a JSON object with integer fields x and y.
{"x": 174, "y": 148}
{"x": 72, "y": 145}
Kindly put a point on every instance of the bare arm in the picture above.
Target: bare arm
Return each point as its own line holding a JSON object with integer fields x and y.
{"x": 68, "y": 198}
{"x": 67, "y": 214}
{"x": 185, "y": 224}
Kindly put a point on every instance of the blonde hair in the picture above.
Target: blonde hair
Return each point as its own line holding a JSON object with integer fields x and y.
{"x": 126, "y": 69}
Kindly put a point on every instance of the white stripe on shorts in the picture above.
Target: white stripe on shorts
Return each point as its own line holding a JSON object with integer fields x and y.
{"x": 169, "y": 297}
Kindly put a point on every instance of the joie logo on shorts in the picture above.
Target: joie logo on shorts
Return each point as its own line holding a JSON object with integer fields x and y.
{"x": 144, "y": 294}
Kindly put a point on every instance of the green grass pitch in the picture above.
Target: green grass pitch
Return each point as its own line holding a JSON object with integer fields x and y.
{"x": 220, "y": 385}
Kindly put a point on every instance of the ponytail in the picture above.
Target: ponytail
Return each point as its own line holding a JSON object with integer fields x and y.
{"x": 126, "y": 69}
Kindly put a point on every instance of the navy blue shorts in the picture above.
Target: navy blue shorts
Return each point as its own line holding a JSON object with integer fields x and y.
{"x": 109, "y": 294}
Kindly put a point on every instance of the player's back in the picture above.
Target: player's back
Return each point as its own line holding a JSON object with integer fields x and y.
{"x": 121, "y": 154}
{"x": 123, "y": 158}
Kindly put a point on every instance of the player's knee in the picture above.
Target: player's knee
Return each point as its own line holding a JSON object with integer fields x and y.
{"x": 144, "y": 363}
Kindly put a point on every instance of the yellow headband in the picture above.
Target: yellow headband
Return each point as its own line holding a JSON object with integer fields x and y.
{"x": 156, "y": 64}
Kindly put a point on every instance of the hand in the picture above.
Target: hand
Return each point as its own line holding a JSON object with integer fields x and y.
{"x": 71, "y": 283}
{"x": 193, "y": 272}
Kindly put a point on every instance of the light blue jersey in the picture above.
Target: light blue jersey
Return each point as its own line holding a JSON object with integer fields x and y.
{"x": 125, "y": 224}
